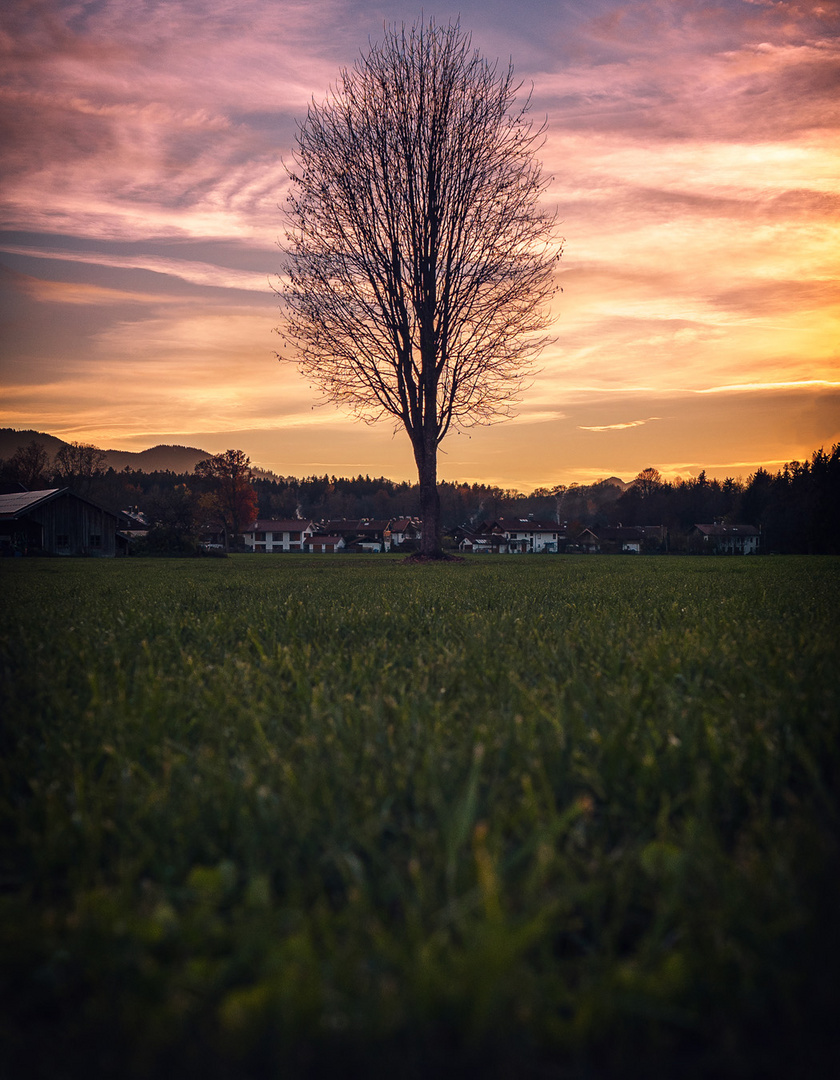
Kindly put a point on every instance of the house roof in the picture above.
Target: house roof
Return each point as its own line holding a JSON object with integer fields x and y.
{"x": 354, "y": 526}
{"x": 292, "y": 525}
{"x": 494, "y": 538}
{"x": 727, "y": 530}
{"x": 372, "y": 527}
{"x": 620, "y": 532}
{"x": 525, "y": 525}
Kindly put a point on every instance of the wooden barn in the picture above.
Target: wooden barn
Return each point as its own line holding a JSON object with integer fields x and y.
{"x": 58, "y": 522}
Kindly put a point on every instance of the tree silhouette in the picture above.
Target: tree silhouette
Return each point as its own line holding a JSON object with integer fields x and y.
{"x": 420, "y": 258}
{"x": 30, "y": 464}
{"x": 230, "y": 498}
{"x": 648, "y": 481}
{"x": 77, "y": 464}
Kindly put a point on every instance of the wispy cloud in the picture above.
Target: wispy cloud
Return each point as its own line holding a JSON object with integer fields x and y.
{"x": 618, "y": 427}
{"x": 197, "y": 273}
{"x": 763, "y": 387}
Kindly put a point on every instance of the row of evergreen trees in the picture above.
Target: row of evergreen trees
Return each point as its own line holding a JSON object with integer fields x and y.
{"x": 796, "y": 508}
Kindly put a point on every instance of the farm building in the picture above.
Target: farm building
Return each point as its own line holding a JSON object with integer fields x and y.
{"x": 630, "y": 539}
{"x": 58, "y": 522}
{"x": 586, "y": 543}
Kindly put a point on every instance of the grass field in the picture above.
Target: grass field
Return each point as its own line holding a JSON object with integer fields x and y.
{"x": 537, "y": 817}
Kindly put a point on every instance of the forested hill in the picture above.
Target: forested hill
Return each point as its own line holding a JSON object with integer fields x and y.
{"x": 177, "y": 459}
{"x": 166, "y": 458}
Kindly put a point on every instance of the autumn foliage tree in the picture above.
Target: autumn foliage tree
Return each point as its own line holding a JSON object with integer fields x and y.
{"x": 420, "y": 256}
{"x": 229, "y": 496}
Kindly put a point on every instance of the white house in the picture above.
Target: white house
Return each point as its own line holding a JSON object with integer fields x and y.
{"x": 403, "y": 529}
{"x": 528, "y": 535}
{"x": 271, "y": 536}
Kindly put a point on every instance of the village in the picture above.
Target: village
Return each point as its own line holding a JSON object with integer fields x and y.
{"x": 57, "y": 521}
{"x": 500, "y": 536}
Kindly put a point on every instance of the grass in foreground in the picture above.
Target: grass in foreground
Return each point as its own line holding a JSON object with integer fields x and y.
{"x": 568, "y": 817}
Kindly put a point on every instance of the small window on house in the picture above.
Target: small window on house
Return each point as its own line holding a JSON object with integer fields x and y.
{"x": 294, "y": 536}
{"x": 62, "y": 540}
{"x": 260, "y": 536}
{"x": 95, "y": 540}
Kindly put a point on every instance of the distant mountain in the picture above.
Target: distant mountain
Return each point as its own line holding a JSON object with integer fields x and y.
{"x": 179, "y": 459}
{"x": 10, "y": 440}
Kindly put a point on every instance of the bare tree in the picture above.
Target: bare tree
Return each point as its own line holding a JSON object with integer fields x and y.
{"x": 648, "y": 481}
{"x": 77, "y": 464}
{"x": 29, "y": 465}
{"x": 420, "y": 257}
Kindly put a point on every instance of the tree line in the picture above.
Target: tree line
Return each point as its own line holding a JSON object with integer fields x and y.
{"x": 797, "y": 508}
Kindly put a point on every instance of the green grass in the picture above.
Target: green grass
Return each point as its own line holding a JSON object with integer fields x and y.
{"x": 547, "y": 816}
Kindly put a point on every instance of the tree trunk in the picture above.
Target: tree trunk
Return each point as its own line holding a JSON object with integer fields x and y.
{"x": 430, "y": 543}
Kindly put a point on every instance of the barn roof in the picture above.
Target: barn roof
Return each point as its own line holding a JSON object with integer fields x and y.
{"x": 21, "y": 502}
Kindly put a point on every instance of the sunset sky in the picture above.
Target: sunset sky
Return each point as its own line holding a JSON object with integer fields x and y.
{"x": 695, "y": 154}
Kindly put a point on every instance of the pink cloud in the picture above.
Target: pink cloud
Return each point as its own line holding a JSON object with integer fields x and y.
{"x": 694, "y": 149}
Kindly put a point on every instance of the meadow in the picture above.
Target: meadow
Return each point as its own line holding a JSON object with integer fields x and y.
{"x": 513, "y": 817}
